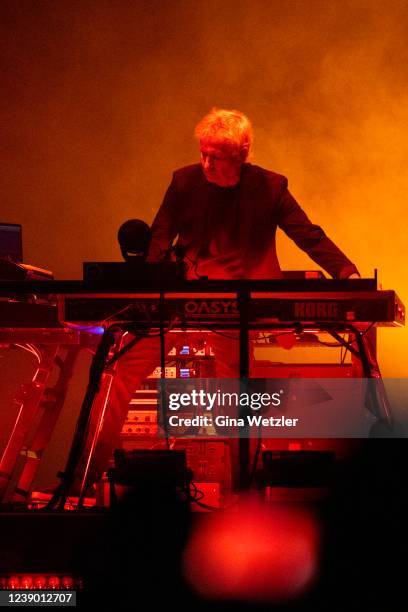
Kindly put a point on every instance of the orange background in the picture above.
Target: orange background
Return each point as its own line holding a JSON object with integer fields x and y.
{"x": 99, "y": 101}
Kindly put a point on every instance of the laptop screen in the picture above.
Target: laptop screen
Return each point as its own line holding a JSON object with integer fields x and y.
{"x": 11, "y": 244}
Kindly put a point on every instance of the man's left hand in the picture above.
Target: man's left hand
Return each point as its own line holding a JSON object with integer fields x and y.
{"x": 354, "y": 275}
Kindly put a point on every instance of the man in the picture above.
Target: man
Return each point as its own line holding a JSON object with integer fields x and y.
{"x": 224, "y": 213}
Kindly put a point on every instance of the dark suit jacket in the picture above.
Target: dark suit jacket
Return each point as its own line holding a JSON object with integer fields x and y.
{"x": 252, "y": 211}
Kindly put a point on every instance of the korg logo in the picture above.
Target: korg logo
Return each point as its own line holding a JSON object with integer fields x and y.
{"x": 316, "y": 310}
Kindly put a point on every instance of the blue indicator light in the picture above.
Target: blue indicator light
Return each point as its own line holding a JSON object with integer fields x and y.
{"x": 91, "y": 329}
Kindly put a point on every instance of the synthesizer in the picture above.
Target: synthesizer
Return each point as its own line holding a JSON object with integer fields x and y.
{"x": 193, "y": 303}
{"x": 382, "y": 307}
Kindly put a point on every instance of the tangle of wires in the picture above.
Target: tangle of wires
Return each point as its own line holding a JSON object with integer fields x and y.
{"x": 195, "y": 495}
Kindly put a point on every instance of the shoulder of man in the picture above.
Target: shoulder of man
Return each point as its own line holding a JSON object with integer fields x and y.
{"x": 262, "y": 174}
{"x": 261, "y": 178}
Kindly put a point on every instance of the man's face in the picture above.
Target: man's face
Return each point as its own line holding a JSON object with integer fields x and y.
{"x": 219, "y": 166}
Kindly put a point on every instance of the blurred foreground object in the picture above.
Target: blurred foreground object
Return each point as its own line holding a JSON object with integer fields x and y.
{"x": 258, "y": 553}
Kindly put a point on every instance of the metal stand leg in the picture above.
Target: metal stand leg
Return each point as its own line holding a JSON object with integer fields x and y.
{"x": 244, "y": 440}
{"x": 30, "y": 400}
{"x": 52, "y": 403}
{"x": 99, "y": 383}
{"x": 78, "y": 443}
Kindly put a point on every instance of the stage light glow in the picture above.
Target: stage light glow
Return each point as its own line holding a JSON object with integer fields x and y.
{"x": 98, "y": 330}
{"x": 259, "y": 553}
{"x": 40, "y": 582}
{"x": 13, "y": 583}
{"x": 54, "y": 582}
{"x": 26, "y": 582}
{"x": 67, "y": 583}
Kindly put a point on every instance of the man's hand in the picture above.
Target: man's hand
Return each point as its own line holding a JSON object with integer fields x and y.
{"x": 354, "y": 275}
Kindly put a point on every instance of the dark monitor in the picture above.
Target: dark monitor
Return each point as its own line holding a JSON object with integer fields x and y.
{"x": 11, "y": 243}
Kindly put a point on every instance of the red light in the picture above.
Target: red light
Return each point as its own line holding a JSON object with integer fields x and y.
{"x": 294, "y": 446}
{"x": 312, "y": 274}
{"x": 67, "y": 583}
{"x": 40, "y": 583}
{"x": 257, "y": 554}
{"x": 54, "y": 582}
{"x": 13, "y": 583}
{"x": 26, "y": 582}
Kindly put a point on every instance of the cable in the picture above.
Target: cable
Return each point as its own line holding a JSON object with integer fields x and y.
{"x": 368, "y": 329}
{"x": 198, "y": 495}
{"x": 115, "y": 314}
{"x": 36, "y": 351}
{"x": 202, "y": 504}
{"x": 29, "y": 349}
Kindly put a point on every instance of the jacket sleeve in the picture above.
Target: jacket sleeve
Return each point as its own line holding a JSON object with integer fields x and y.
{"x": 164, "y": 227}
{"x": 311, "y": 238}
